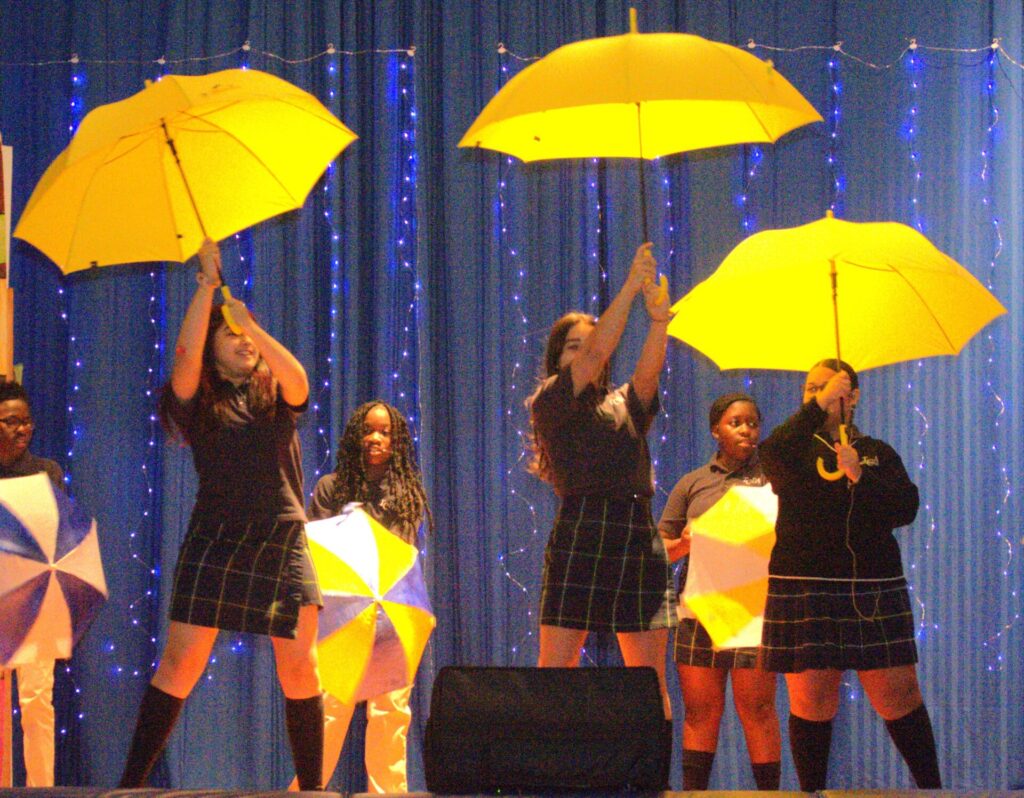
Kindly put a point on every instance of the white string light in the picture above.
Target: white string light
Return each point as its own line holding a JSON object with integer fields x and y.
{"x": 330, "y": 191}
{"x": 510, "y": 263}
{"x": 1004, "y": 541}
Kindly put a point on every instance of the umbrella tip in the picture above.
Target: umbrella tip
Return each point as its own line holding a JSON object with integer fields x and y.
{"x": 829, "y": 214}
{"x": 632, "y": 21}
{"x": 147, "y": 82}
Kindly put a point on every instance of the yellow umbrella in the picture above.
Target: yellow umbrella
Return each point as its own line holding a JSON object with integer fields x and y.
{"x": 886, "y": 288}
{"x": 727, "y": 576}
{"x": 143, "y": 177}
{"x": 376, "y": 618}
{"x": 189, "y": 156}
{"x": 902, "y": 299}
{"x": 639, "y": 95}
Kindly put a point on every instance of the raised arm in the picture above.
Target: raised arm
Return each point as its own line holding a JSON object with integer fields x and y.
{"x": 600, "y": 344}
{"x": 652, "y": 356}
{"x": 188, "y": 351}
{"x": 285, "y": 367}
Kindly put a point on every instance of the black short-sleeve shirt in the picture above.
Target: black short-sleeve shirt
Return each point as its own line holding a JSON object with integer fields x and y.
{"x": 596, "y": 442}
{"x": 249, "y": 468}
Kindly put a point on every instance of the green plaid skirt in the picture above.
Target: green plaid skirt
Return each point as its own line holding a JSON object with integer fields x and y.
{"x": 244, "y": 578}
{"x": 605, "y": 568}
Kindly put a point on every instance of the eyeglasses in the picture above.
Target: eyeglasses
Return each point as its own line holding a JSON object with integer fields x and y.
{"x": 12, "y": 423}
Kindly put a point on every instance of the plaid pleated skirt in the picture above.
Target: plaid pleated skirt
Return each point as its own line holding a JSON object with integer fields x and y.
{"x": 693, "y": 646}
{"x": 605, "y": 568}
{"x": 840, "y": 624}
{"x": 244, "y": 578}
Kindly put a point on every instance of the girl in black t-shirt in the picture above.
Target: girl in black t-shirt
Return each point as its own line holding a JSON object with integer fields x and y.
{"x": 244, "y": 564}
{"x": 605, "y": 567}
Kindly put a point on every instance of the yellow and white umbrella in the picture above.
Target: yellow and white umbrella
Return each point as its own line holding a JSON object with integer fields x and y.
{"x": 376, "y": 619}
{"x": 727, "y": 579}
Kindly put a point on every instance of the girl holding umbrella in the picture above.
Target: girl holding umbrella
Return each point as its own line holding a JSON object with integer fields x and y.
{"x": 735, "y": 422}
{"x": 376, "y": 467}
{"x": 244, "y": 565}
{"x": 605, "y": 567}
{"x": 837, "y": 597}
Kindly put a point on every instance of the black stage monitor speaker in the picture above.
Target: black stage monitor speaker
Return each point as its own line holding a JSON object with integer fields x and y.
{"x": 546, "y": 730}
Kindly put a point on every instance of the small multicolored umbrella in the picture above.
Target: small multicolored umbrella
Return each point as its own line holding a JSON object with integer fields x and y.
{"x": 727, "y": 580}
{"x": 376, "y": 618}
{"x": 51, "y": 575}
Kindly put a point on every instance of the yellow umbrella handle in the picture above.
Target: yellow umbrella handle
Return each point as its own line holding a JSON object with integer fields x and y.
{"x": 824, "y": 473}
{"x": 226, "y": 311}
{"x": 662, "y": 295}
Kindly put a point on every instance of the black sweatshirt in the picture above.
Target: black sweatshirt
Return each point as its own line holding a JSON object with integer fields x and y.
{"x": 835, "y": 529}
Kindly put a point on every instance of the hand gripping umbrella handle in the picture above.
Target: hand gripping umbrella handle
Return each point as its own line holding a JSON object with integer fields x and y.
{"x": 824, "y": 473}
{"x": 226, "y": 311}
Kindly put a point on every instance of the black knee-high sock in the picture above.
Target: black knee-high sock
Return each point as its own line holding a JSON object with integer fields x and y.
{"x": 914, "y": 739}
{"x": 157, "y": 716}
{"x": 766, "y": 774}
{"x": 810, "y": 741}
{"x": 304, "y": 718}
{"x": 697, "y": 769}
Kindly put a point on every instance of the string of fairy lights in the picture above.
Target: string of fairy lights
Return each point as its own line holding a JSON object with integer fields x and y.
{"x": 518, "y": 563}
{"x": 1004, "y": 542}
{"x": 912, "y": 122}
{"x": 405, "y": 376}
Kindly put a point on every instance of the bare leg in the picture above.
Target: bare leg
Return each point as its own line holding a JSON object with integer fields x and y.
{"x": 184, "y": 658}
{"x": 754, "y": 695}
{"x": 704, "y": 702}
{"x": 560, "y": 647}
{"x": 648, "y": 648}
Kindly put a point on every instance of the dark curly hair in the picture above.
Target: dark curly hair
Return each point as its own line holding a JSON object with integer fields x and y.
{"x": 215, "y": 393}
{"x": 406, "y": 482}
{"x": 9, "y": 389}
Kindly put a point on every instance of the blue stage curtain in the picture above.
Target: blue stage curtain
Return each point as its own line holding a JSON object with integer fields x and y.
{"x": 501, "y": 250}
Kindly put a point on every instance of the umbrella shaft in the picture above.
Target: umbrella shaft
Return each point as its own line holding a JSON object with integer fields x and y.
{"x": 188, "y": 189}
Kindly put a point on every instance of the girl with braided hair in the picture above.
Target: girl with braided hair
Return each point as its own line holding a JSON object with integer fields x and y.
{"x": 377, "y": 468}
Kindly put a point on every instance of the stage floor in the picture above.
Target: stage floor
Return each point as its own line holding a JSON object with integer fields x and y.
{"x": 94, "y": 792}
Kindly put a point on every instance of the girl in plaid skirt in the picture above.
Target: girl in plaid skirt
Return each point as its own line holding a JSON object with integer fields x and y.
{"x": 234, "y": 398}
{"x": 704, "y": 671}
{"x": 837, "y": 598}
{"x": 605, "y": 567}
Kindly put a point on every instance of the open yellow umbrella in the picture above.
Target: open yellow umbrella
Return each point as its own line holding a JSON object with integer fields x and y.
{"x": 875, "y": 293}
{"x": 639, "y": 95}
{"x": 727, "y": 577}
{"x": 376, "y": 618}
{"x": 189, "y": 156}
{"x": 882, "y": 286}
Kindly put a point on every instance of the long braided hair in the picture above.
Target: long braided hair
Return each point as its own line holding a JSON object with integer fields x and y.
{"x": 405, "y": 480}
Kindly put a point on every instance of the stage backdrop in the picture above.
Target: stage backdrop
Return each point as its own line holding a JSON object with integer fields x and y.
{"x": 428, "y": 276}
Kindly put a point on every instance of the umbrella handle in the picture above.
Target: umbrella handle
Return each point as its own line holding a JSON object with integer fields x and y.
{"x": 226, "y": 311}
{"x": 824, "y": 473}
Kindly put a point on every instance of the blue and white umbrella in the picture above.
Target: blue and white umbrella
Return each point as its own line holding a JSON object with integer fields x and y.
{"x": 51, "y": 575}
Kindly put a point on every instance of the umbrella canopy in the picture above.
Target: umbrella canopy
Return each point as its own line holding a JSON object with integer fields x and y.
{"x": 246, "y": 146}
{"x": 376, "y": 618}
{"x": 895, "y": 297}
{"x": 727, "y": 577}
{"x": 639, "y": 95}
{"x": 51, "y": 576}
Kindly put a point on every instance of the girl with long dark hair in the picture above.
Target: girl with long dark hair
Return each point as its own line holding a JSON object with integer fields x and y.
{"x": 244, "y": 566}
